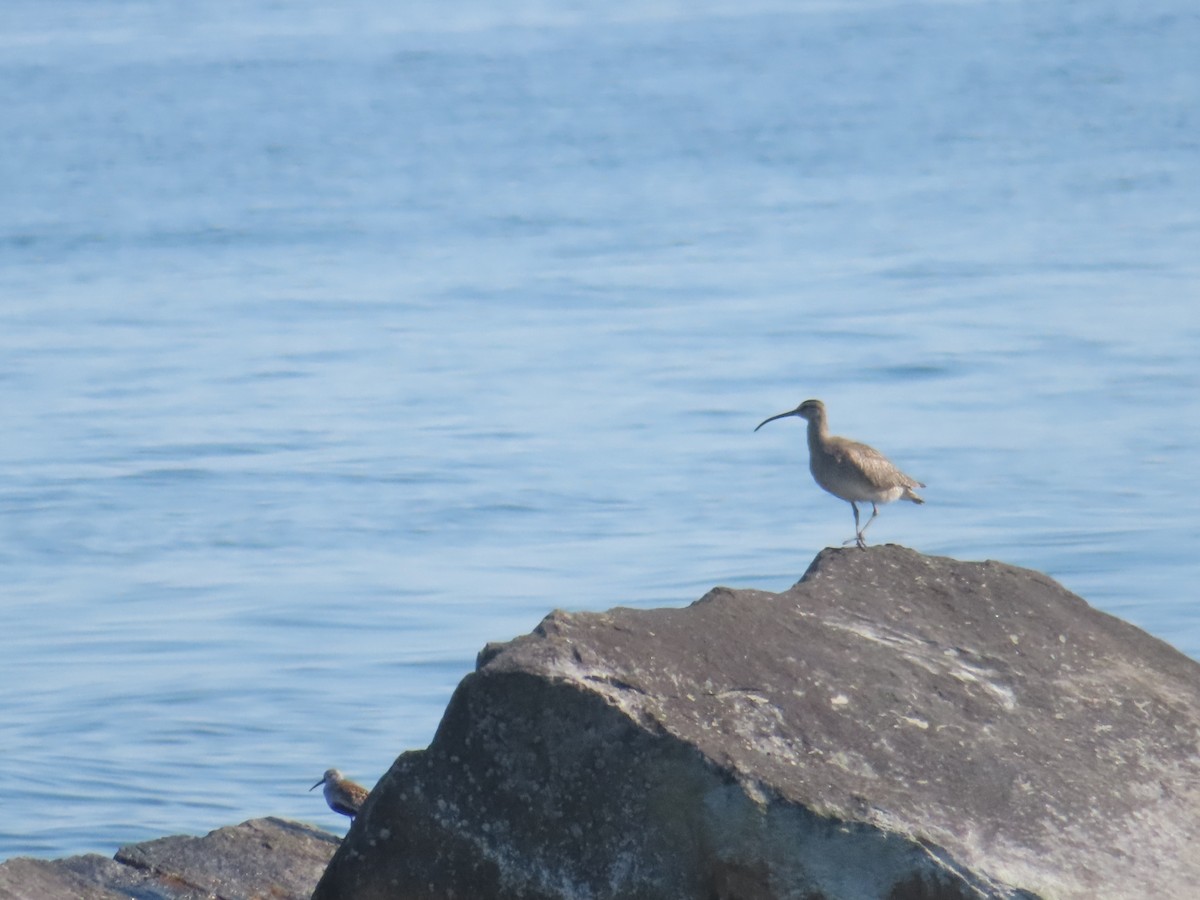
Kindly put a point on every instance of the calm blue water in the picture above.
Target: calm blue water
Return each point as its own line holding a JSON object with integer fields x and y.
{"x": 335, "y": 343}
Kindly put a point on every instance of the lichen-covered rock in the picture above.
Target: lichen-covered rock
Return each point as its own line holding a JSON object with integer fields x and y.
{"x": 259, "y": 859}
{"x": 894, "y": 726}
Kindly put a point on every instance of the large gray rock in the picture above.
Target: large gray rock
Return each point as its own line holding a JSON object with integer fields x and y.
{"x": 894, "y": 726}
{"x": 262, "y": 858}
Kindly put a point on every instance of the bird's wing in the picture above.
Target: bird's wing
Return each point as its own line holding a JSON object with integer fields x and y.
{"x": 357, "y": 795}
{"x": 876, "y": 468}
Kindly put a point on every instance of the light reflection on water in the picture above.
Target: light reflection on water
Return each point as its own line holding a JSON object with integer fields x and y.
{"x": 322, "y": 370}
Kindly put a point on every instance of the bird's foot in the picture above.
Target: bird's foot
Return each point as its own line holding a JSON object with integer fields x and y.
{"x": 858, "y": 541}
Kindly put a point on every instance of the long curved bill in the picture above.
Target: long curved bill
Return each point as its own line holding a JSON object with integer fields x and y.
{"x": 318, "y": 784}
{"x": 784, "y": 415}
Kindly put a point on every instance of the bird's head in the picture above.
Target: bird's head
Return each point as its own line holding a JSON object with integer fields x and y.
{"x": 331, "y": 776}
{"x": 809, "y": 410}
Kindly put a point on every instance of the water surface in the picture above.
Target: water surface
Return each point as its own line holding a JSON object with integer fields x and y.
{"x": 337, "y": 343}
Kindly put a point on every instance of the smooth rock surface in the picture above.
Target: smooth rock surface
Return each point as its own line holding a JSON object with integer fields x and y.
{"x": 894, "y": 726}
{"x": 262, "y": 858}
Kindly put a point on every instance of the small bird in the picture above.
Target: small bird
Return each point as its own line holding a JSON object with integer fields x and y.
{"x": 342, "y": 794}
{"x": 849, "y": 470}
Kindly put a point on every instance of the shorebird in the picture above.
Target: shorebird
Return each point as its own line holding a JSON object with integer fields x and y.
{"x": 849, "y": 470}
{"x": 342, "y": 794}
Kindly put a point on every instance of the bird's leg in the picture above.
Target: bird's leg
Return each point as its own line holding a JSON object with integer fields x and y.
{"x": 862, "y": 542}
{"x": 858, "y": 538}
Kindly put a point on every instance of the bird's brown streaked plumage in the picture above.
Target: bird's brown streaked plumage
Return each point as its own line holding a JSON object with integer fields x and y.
{"x": 342, "y": 794}
{"x": 849, "y": 470}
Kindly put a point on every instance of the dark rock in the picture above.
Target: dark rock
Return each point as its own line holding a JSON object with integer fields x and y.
{"x": 260, "y": 858}
{"x": 894, "y": 726}
{"x": 24, "y": 878}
